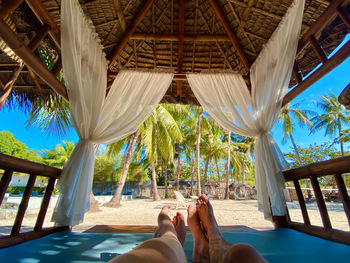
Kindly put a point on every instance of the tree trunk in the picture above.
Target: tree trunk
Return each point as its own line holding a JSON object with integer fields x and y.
{"x": 93, "y": 204}
{"x": 154, "y": 184}
{"x": 165, "y": 169}
{"x": 341, "y": 143}
{"x": 178, "y": 168}
{"x": 227, "y": 196}
{"x": 309, "y": 195}
{"x": 115, "y": 201}
{"x": 243, "y": 171}
{"x": 192, "y": 162}
{"x": 295, "y": 149}
{"x": 218, "y": 171}
{"x": 206, "y": 172}
{"x": 198, "y": 154}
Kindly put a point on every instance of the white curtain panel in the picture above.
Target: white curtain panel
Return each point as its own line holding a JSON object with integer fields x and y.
{"x": 97, "y": 118}
{"x": 226, "y": 98}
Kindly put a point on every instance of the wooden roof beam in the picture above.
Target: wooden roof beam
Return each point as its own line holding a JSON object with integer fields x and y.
{"x": 325, "y": 19}
{"x": 328, "y": 66}
{"x": 230, "y": 34}
{"x": 181, "y": 44}
{"x": 188, "y": 37}
{"x": 119, "y": 9}
{"x": 30, "y": 59}
{"x": 129, "y": 31}
{"x": 44, "y": 17}
{"x": 8, "y": 6}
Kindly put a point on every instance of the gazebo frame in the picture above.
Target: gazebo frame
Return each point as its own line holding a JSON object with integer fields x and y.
{"x": 335, "y": 167}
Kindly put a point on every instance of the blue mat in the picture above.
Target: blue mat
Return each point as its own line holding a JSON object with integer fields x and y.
{"x": 282, "y": 245}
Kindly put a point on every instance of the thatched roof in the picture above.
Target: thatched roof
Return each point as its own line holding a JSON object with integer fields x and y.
{"x": 155, "y": 41}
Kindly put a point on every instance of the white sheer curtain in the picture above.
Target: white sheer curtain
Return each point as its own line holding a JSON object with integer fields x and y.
{"x": 95, "y": 117}
{"x": 226, "y": 98}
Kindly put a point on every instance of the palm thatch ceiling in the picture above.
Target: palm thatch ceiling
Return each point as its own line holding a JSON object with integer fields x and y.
{"x": 179, "y": 35}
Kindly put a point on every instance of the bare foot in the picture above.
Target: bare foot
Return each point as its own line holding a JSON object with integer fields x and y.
{"x": 180, "y": 227}
{"x": 176, "y": 226}
{"x": 164, "y": 223}
{"x": 207, "y": 218}
{"x": 201, "y": 244}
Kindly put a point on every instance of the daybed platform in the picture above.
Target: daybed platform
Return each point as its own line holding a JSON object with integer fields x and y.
{"x": 280, "y": 245}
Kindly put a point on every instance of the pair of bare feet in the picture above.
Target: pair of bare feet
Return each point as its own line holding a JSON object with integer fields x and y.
{"x": 202, "y": 224}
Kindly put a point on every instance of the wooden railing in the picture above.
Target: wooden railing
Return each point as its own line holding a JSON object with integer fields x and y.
{"x": 10, "y": 165}
{"x": 336, "y": 168}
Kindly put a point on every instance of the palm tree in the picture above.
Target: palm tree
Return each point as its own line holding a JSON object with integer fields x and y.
{"x": 333, "y": 119}
{"x": 286, "y": 116}
{"x": 59, "y": 155}
{"x": 227, "y": 196}
{"x": 158, "y": 134}
{"x": 200, "y": 112}
{"x": 132, "y": 140}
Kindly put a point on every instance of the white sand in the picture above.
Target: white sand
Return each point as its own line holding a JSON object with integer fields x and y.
{"x": 227, "y": 212}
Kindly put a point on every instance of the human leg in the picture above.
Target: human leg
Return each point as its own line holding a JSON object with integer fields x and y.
{"x": 200, "y": 241}
{"x": 166, "y": 246}
{"x": 219, "y": 249}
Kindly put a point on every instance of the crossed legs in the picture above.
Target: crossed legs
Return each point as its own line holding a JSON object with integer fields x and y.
{"x": 209, "y": 245}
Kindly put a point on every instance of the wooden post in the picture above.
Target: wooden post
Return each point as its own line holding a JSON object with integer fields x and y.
{"x": 343, "y": 195}
{"x": 45, "y": 204}
{"x": 23, "y": 205}
{"x": 321, "y": 204}
{"x": 4, "y": 183}
{"x": 302, "y": 203}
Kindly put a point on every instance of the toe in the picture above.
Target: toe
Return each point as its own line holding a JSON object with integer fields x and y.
{"x": 204, "y": 198}
{"x": 165, "y": 210}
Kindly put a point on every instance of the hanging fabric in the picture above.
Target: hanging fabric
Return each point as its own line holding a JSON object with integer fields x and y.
{"x": 97, "y": 118}
{"x": 227, "y": 100}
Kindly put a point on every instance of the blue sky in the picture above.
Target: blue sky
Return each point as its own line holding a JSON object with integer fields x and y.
{"x": 14, "y": 121}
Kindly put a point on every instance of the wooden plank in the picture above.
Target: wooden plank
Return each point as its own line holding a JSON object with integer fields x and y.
{"x": 318, "y": 49}
{"x": 23, "y": 237}
{"x": 7, "y": 6}
{"x": 329, "y": 234}
{"x": 302, "y": 203}
{"x": 321, "y": 204}
{"x": 180, "y": 52}
{"x": 174, "y": 37}
{"x": 128, "y": 33}
{"x": 328, "y": 66}
{"x": 334, "y": 166}
{"x": 30, "y": 59}
{"x": 120, "y": 14}
{"x": 4, "y": 183}
{"x": 44, "y": 17}
{"x": 42, "y": 32}
{"x": 231, "y": 34}
{"x": 343, "y": 195}
{"x": 9, "y": 85}
{"x": 45, "y": 204}
{"x": 23, "y": 205}
{"x": 342, "y": 14}
{"x": 23, "y": 166}
{"x": 325, "y": 19}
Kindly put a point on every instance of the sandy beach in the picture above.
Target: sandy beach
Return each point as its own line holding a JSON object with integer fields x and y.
{"x": 227, "y": 212}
